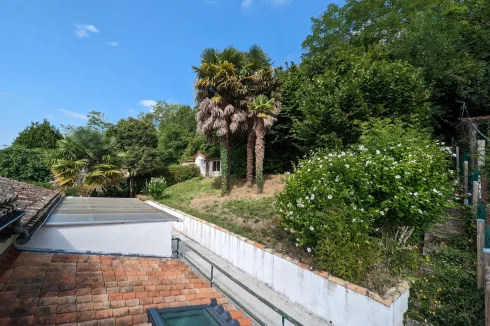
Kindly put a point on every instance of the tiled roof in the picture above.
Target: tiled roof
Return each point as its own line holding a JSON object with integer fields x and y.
{"x": 7, "y": 202}
{"x": 205, "y": 157}
{"x": 55, "y": 289}
{"x": 24, "y": 196}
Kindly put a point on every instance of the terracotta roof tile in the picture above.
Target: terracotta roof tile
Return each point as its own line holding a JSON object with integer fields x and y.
{"x": 47, "y": 289}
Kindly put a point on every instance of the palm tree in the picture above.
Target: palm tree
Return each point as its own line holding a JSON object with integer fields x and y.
{"x": 265, "y": 110}
{"x": 258, "y": 78}
{"x": 218, "y": 91}
{"x": 88, "y": 159}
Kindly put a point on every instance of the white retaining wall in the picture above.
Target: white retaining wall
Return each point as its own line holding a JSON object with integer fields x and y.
{"x": 329, "y": 297}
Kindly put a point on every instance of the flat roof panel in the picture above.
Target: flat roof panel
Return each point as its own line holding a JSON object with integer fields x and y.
{"x": 100, "y": 200}
{"x": 69, "y": 218}
{"x": 83, "y": 209}
{"x": 98, "y": 210}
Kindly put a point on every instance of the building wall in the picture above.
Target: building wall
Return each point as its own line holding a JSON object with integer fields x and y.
{"x": 211, "y": 173}
{"x": 146, "y": 239}
{"x": 331, "y": 298}
{"x": 201, "y": 163}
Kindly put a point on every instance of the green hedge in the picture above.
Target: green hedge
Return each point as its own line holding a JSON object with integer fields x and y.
{"x": 177, "y": 173}
{"x": 24, "y": 164}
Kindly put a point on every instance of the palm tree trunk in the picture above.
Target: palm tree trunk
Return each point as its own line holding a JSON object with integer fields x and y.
{"x": 224, "y": 149}
{"x": 250, "y": 152}
{"x": 130, "y": 185}
{"x": 228, "y": 160}
{"x": 259, "y": 154}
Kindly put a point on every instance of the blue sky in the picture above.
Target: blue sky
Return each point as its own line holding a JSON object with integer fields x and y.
{"x": 61, "y": 59}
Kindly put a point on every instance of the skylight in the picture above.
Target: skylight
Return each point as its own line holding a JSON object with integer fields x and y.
{"x": 203, "y": 315}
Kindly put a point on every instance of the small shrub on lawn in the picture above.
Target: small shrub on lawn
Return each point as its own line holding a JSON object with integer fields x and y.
{"x": 340, "y": 204}
{"x": 156, "y": 187}
{"x": 178, "y": 173}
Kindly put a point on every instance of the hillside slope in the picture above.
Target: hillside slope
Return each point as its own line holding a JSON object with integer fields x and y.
{"x": 243, "y": 212}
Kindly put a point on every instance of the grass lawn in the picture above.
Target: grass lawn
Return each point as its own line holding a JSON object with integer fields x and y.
{"x": 243, "y": 212}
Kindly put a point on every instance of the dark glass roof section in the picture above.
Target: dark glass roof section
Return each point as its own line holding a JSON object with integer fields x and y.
{"x": 93, "y": 210}
{"x": 203, "y": 315}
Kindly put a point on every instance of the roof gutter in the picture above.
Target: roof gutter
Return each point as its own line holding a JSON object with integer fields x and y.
{"x": 12, "y": 218}
{"x": 26, "y": 234}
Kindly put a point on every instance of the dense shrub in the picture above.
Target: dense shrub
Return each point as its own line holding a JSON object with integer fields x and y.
{"x": 47, "y": 185}
{"x": 119, "y": 190}
{"x": 156, "y": 187}
{"x": 178, "y": 173}
{"x": 24, "y": 164}
{"x": 340, "y": 204}
{"x": 73, "y": 191}
{"x": 446, "y": 292}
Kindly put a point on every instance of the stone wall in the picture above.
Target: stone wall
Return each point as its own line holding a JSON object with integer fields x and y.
{"x": 437, "y": 237}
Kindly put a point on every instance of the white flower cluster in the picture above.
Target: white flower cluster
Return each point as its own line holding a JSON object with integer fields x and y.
{"x": 407, "y": 176}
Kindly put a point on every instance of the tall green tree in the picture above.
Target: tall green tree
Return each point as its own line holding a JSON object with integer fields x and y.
{"x": 325, "y": 109}
{"x": 139, "y": 161}
{"x": 133, "y": 132}
{"x": 138, "y": 139}
{"x": 447, "y": 40}
{"x": 98, "y": 121}
{"x": 176, "y": 125}
{"x": 265, "y": 110}
{"x": 38, "y": 135}
{"x": 25, "y": 164}
{"x": 219, "y": 91}
{"x": 200, "y": 143}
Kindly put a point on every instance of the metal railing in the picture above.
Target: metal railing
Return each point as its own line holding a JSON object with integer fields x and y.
{"x": 284, "y": 315}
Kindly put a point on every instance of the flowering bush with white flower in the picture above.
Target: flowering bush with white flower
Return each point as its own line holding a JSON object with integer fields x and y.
{"x": 396, "y": 177}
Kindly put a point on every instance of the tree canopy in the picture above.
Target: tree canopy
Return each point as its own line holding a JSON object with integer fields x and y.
{"x": 38, "y": 135}
{"x": 25, "y": 164}
{"x": 448, "y": 40}
{"x": 133, "y": 132}
{"x": 176, "y": 125}
{"x": 98, "y": 121}
{"x": 325, "y": 110}
{"x": 137, "y": 138}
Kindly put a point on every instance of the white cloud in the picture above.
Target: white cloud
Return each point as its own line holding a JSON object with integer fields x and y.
{"x": 83, "y": 31}
{"x": 72, "y": 114}
{"x": 49, "y": 116}
{"x": 274, "y": 3}
{"x": 91, "y": 28}
{"x": 210, "y": 2}
{"x": 247, "y": 3}
{"x": 148, "y": 103}
{"x": 112, "y": 43}
{"x": 278, "y": 3}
